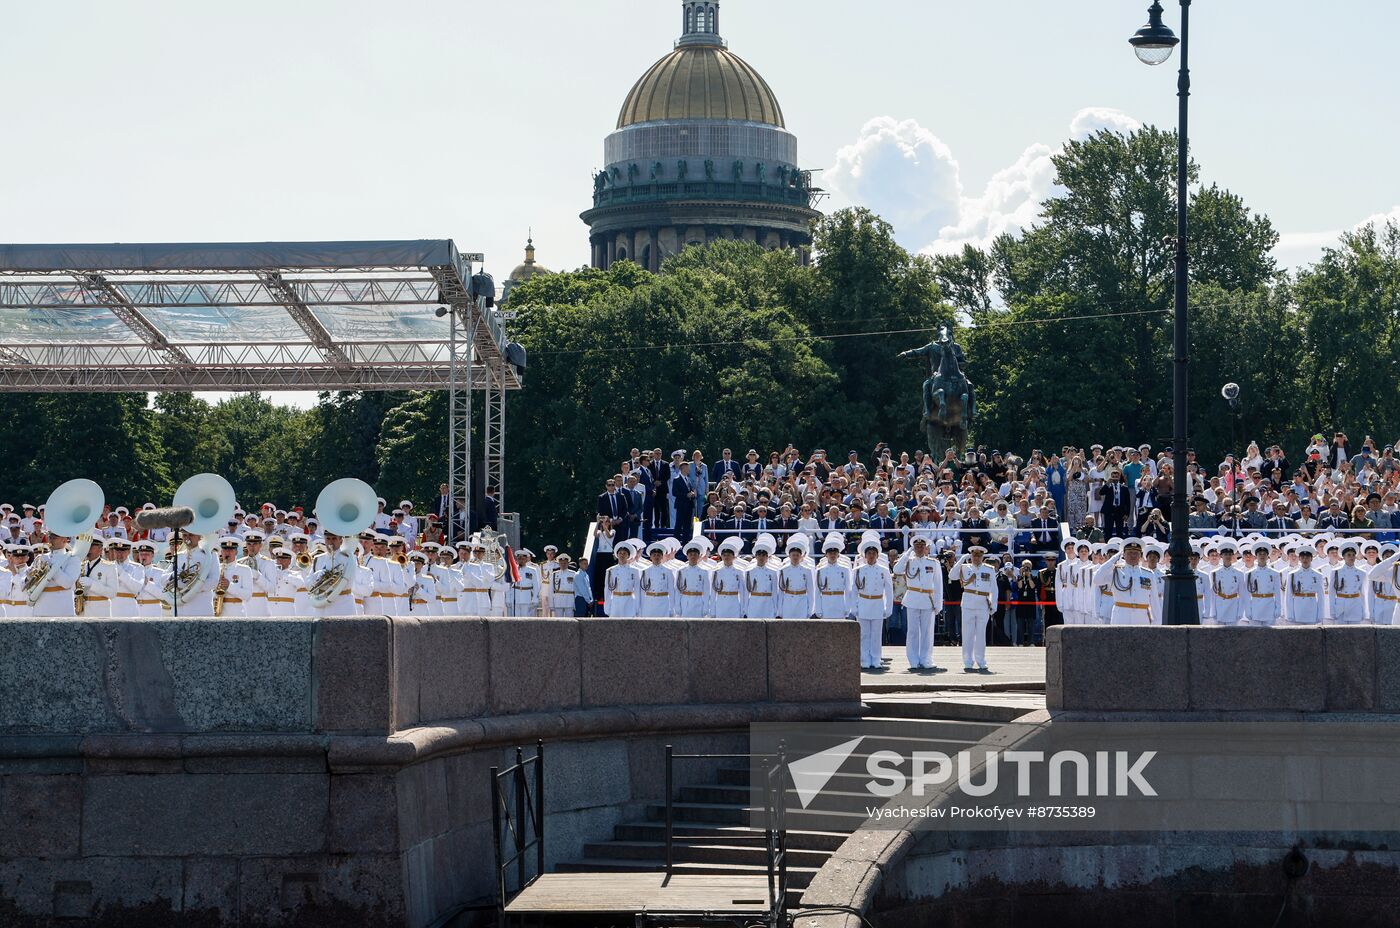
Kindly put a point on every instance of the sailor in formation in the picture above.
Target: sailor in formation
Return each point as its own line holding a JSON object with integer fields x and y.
{"x": 834, "y": 580}
{"x": 872, "y": 601}
{"x": 923, "y": 599}
{"x": 797, "y": 584}
{"x": 693, "y": 584}
{"x": 979, "y": 593}
{"x": 1134, "y": 587}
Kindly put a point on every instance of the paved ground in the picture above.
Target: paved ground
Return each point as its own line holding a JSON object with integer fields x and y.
{"x": 1012, "y": 669}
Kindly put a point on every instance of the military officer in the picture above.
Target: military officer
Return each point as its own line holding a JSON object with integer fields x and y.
{"x": 873, "y": 601}
{"x": 56, "y": 595}
{"x": 658, "y": 599}
{"x": 152, "y": 577}
{"x": 422, "y": 592}
{"x": 1306, "y": 590}
{"x": 1265, "y": 588}
{"x": 761, "y": 581}
{"x": 834, "y": 584}
{"x": 622, "y": 585}
{"x": 797, "y": 583}
{"x": 260, "y": 571}
{"x": 234, "y": 579}
{"x": 119, "y": 581}
{"x": 979, "y": 586}
{"x": 693, "y": 584}
{"x": 1133, "y": 586}
{"x": 561, "y": 587}
{"x": 728, "y": 585}
{"x": 1384, "y": 594}
{"x": 523, "y": 597}
{"x": 1227, "y": 584}
{"x": 923, "y": 599}
{"x": 1348, "y": 589}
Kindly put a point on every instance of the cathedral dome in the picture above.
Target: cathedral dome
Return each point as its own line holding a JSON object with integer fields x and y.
{"x": 701, "y": 81}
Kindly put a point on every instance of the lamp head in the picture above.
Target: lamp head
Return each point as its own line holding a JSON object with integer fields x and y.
{"x": 1153, "y": 43}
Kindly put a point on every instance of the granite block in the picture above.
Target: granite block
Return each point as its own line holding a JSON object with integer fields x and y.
{"x": 365, "y": 891}
{"x": 534, "y": 665}
{"x": 1350, "y": 654}
{"x": 811, "y": 661}
{"x": 51, "y": 678}
{"x": 240, "y": 674}
{"x": 728, "y": 660}
{"x": 1116, "y": 669}
{"x": 186, "y": 814}
{"x": 354, "y": 674}
{"x": 124, "y": 890}
{"x": 1387, "y": 697}
{"x": 454, "y": 673}
{"x": 634, "y": 662}
{"x": 363, "y": 814}
{"x": 407, "y": 649}
{"x": 40, "y": 816}
{"x": 1241, "y": 669}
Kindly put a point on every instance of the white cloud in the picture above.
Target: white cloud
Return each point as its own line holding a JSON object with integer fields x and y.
{"x": 908, "y": 175}
{"x": 904, "y": 173}
{"x": 1094, "y": 119}
{"x": 1296, "y": 249}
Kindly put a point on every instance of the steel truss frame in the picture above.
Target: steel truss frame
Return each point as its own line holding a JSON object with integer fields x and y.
{"x": 60, "y": 290}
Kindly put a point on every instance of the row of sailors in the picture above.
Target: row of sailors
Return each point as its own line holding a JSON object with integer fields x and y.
{"x": 117, "y": 577}
{"x": 799, "y": 587}
{"x": 1254, "y": 581}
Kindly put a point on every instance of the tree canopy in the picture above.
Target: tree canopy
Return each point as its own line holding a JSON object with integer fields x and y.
{"x": 1067, "y": 327}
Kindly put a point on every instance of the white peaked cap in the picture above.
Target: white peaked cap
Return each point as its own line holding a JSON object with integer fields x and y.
{"x": 765, "y": 542}
{"x": 732, "y": 545}
{"x": 833, "y": 540}
{"x": 867, "y": 543}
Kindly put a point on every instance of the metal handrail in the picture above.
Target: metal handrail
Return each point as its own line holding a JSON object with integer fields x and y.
{"x": 528, "y": 811}
{"x": 774, "y": 837}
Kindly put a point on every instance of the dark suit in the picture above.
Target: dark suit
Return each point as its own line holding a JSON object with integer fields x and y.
{"x": 1117, "y": 504}
{"x": 1045, "y": 534}
{"x": 885, "y": 526}
{"x": 713, "y": 529}
{"x": 488, "y": 513}
{"x": 784, "y": 529}
{"x": 685, "y": 509}
{"x": 636, "y": 505}
{"x": 659, "y": 516}
{"x": 615, "y": 505}
{"x": 723, "y": 467}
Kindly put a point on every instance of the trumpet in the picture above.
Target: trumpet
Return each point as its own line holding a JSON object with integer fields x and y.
{"x": 401, "y": 560}
{"x": 303, "y": 560}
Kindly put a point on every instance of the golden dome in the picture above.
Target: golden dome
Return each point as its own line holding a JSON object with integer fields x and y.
{"x": 701, "y": 82}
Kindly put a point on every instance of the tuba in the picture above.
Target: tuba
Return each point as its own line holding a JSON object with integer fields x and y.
{"x": 70, "y": 511}
{"x": 213, "y": 501}
{"x": 345, "y": 507}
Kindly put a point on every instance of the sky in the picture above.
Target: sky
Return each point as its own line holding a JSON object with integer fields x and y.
{"x": 478, "y": 120}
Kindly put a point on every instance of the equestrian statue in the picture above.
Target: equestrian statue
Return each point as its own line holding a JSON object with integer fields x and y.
{"x": 949, "y": 401}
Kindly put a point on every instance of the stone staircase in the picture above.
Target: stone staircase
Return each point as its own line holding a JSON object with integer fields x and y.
{"x": 723, "y": 808}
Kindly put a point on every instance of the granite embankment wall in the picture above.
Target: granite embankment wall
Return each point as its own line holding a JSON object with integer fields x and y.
{"x": 1303, "y": 682}
{"x": 335, "y": 771}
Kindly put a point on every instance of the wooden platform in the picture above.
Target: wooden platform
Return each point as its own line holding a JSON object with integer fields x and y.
{"x": 631, "y": 893}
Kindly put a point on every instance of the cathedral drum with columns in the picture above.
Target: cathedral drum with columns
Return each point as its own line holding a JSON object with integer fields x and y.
{"x": 700, "y": 153}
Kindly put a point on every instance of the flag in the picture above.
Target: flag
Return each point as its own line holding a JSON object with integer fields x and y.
{"x": 512, "y": 569}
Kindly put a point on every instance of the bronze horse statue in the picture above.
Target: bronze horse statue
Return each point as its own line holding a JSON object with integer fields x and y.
{"x": 949, "y": 400}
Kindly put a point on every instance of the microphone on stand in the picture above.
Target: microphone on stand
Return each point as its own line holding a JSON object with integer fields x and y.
{"x": 175, "y": 518}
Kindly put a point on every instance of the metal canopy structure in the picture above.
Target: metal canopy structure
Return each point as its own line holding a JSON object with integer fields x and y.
{"x": 259, "y": 316}
{"x": 270, "y": 316}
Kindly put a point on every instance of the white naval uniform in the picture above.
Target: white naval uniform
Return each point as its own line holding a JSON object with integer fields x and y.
{"x": 352, "y": 589}
{"x": 658, "y": 593}
{"x": 693, "y": 598}
{"x": 728, "y": 591}
{"x": 449, "y": 588}
{"x": 56, "y": 600}
{"x": 93, "y": 574}
{"x": 423, "y": 595}
{"x": 761, "y": 591}
{"x": 834, "y": 586}
{"x": 1306, "y": 590}
{"x": 1264, "y": 587}
{"x": 622, "y": 588}
{"x": 1383, "y": 593}
{"x": 148, "y": 598}
{"x": 281, "y": 600}
{"x": 1203, "y": 602}
{"x": 797, "y": 591}
{"x": 547, "y": 569}
{"x": 260, "y": 575}
{"x": 523, "y": 596}
{"x": 9, "y": 580}
{"x": 386, "y": 585}
{"x": 872, "y": 602}
{"x": 240, "y": 589}
{"x": 475, "y": 597}
{"x": 1134, "y": 592}
{"x": 118, "y": 586}
{"x": 561, "y": 592}
{"x": 979, "y": 595}
{"x": 923, "y": 599}
{"x": 1227, "y": 590}
{"x": 1064, "y": 587}
{"x": 1347, "y": 594}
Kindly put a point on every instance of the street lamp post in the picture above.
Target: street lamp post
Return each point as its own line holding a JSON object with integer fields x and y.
{"x": 1153, "y": 44}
